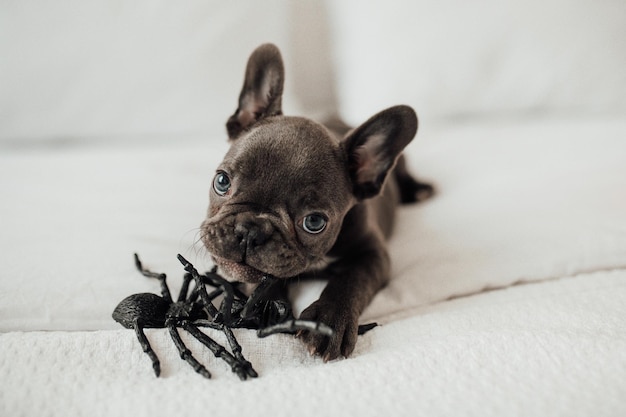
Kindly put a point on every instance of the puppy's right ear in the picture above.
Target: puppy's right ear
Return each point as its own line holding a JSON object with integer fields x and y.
{"x": 262, "y": 90}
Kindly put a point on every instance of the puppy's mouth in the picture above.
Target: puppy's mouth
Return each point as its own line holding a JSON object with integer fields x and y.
{"x": 239, "y": 271}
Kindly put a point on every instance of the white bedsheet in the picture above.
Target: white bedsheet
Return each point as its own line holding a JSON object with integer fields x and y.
{"x": 539, "y": 202}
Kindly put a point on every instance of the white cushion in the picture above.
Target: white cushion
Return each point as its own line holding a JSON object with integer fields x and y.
{"x": 456, "y": 58}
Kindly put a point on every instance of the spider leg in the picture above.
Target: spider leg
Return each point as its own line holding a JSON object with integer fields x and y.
{"x": 165, "y": 291}
{"x": 237, "y": 351}
{"x": 201, "y": 289}
{"x": 184, "y": 289}
{"x": 195, "y": 293}
{"x": 207, "y": 299}
{"x": 238, "y": 293}
{"x": 185, "y": 353}
{"x": 208, "y": 323}
{"x": 145, "y": 345}
{"x": 207, "y": 280}
{"x": 213, "y": 294}
{"x": 294, "y": 325}
{"x": 259, "y": 291}
{"x": 239, "y": 365}
{"x": 229, "y": 294}
{"x": 232, "y": 341}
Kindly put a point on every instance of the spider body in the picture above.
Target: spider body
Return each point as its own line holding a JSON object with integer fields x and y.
{"x": 153, "y": 311}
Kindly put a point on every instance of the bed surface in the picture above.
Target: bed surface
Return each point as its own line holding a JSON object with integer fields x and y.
{"x": 507, "y": 293}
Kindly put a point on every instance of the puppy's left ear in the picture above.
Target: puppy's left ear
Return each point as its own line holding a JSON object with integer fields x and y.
{"x": 374, "y": 147}
{"x": 262, "y": 91}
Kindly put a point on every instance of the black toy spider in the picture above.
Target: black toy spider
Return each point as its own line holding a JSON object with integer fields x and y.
{"x": 196, "y": 309}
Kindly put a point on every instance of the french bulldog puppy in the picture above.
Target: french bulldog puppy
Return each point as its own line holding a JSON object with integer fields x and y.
{"x": 294, "y": 199}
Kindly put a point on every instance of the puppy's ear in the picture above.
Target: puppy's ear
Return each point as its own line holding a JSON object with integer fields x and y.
{"x": 262, "y": 90}
{"x": 374, "y": 147}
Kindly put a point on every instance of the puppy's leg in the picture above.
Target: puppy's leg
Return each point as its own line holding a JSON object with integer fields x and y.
{"x": 411, "y": 190}
{"x": 353, "y": 282}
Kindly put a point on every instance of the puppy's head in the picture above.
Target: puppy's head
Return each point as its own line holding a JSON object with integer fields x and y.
{"x": 279, "y": 197}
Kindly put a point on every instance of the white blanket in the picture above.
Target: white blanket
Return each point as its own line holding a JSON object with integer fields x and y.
{"x": 520, "y": 202}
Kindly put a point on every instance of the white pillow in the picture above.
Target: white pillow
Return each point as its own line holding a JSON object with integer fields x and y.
{"x": 455, "y": 58}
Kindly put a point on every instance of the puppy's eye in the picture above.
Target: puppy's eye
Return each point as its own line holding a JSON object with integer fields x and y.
{"x": 221, "y": 183}
{"x": 314, "y": 223}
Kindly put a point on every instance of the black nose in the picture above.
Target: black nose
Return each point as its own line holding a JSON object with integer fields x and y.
{"x": 253, "y": 234}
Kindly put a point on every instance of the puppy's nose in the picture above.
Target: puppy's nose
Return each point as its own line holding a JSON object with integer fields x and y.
{"x": 253, "y": 234}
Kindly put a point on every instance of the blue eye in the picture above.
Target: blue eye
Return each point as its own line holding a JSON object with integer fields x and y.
{"x": 221, "y": 183}
{"x": 314, "y": 223}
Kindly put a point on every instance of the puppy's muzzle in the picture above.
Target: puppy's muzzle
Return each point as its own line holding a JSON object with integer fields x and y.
{"x": 253, "y": 233}
{"x": 247, "y": 245}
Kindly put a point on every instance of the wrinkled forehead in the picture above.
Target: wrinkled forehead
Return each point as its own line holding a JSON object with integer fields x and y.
{"x": 292, "y": 145}
{"x": 296, "y": 157}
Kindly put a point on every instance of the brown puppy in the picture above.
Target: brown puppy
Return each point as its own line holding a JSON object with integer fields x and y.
{"x": 293, "y": 199}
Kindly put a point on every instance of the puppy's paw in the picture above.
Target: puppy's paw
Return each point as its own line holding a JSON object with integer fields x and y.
{"x": 413, "y": 191}
{"x": 344, "y": 324}
{"x": 424, "y": 191}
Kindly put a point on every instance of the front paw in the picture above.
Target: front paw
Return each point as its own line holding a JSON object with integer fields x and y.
{"x": 344, "y": 324}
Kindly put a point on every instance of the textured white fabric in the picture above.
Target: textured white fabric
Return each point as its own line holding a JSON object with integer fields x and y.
{"x": 556, "y": 348}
